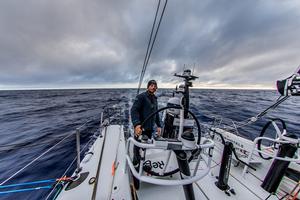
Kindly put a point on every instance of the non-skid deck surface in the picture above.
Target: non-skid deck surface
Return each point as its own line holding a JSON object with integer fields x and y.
{"x": 245, "y": 188}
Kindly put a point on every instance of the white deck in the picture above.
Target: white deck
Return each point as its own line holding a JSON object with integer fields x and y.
{"x": 109, "y": 186}
{"x": 246, "y": 188}
{"x": 116, "y": 186}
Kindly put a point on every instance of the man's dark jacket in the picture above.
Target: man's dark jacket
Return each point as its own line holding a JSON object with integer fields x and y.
{"x": 144, "y": 105}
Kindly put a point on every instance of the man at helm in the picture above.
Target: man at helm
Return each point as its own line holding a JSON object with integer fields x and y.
{"x": 144, "y": 105}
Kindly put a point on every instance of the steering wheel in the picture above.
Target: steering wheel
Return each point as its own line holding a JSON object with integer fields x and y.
{"x": 194, "y": 152}
{"x": 279, "y": 134}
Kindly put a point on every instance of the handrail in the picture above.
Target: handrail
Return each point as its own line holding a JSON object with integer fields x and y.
{"x": 254, "y": 149}
{"x": 154, "y": 146}
{"x": 187, "y": 180}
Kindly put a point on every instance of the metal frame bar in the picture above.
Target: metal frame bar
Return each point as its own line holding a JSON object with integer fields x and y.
{"x": 188, "y": 180}
{"x": 254, "y": 149}
{"x": 78, "y": 169}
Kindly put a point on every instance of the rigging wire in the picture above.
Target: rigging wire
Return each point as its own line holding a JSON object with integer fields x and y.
{"x": 22, "y": 145}
{"x": 34, "y": 160}
{"x": 151, "y": 43}
{"x": 42, "y": 181}
{"x": 260, "y": 115}
{"x": 147, "y": 52}
{"x": 279, "y": 101}
{"x": 26, "y": 144}
{"x": 156, "y": 33}
{"x": 68, "y": 168}
{"x": 48, "y": 150}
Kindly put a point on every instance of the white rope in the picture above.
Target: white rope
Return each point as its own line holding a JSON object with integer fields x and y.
{"x": 68, "y": 168}
{"x": 16, "y": 173}
{"x": 34, "y": 160}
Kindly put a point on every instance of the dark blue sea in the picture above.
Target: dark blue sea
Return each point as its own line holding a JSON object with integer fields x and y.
{"x": 32, "y": 121}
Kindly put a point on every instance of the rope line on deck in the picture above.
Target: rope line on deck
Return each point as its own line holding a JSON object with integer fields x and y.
{"x": 26, "y": 189}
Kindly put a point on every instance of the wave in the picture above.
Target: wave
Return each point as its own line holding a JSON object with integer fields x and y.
{"x": 28, "y": 118}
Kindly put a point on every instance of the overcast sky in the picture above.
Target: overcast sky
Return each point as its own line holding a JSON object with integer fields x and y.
{"x": 97, "y": 43}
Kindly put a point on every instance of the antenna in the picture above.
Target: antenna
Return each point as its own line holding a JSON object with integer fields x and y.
{"x": 193, "y": 68}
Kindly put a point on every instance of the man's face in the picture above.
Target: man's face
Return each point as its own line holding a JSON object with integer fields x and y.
{"x": 152, "y": 88}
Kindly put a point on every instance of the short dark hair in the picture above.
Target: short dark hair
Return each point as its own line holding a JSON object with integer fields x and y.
{"x": 151, "y": 82}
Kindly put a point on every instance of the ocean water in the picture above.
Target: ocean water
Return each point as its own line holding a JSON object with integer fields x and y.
{"x": 33, "y": 121}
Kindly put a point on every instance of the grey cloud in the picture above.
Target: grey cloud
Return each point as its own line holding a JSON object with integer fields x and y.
{"x": 101, "y": 42}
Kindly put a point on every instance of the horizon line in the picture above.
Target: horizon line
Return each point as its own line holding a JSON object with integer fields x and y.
{"x": 91, "y": 88}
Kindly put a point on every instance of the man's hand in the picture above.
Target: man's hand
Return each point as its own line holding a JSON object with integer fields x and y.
{"x": 158, "y": 130}
{"x": 138, "y": 130}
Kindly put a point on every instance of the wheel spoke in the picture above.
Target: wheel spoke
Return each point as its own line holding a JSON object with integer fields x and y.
{"x": 277, "y": 129}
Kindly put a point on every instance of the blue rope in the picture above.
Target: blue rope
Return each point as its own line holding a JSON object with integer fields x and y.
{"x": 26, "y": 189}
{"x": 28, "y": 183}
